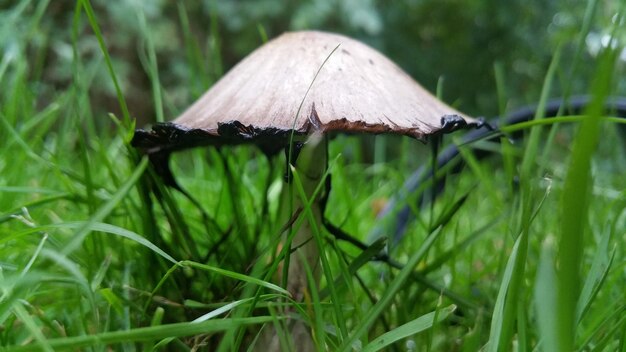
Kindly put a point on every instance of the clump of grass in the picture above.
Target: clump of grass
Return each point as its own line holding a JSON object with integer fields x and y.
{"x": 96, "y": 252}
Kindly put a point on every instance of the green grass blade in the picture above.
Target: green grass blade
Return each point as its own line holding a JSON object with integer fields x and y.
{"x": 546, "y": 297}
{"x": 534, "y": 139}
{"x": 575, "y": 205}
{"x": 318, "y": 331}
{"x": 395, "y": 286}
{"x": 156, "y": 320}
{"x": 151, "y": 66}
{"x": 114, "y": 230}
{"x": 365, "y": 257}
{"x": 413, "y": 327}
{"x": 602, "y": 261}
{"x": 235, "y": 275}
{"x": 557, "y": 120}
{"x": 44, "y": 238}
{"x": 610, "y": 323}
{"x": 107, "y": 59}
{"x": 449, "y": 255}
{"x": 497, "y": 319}
{"x": 106, "y": 209}
{"x": 143, "y": 334}
{"x": 23, "y": 315}
{"x": 230, "y": 306}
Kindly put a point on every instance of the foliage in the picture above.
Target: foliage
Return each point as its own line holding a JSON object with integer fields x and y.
{"x": 95, "y": 251}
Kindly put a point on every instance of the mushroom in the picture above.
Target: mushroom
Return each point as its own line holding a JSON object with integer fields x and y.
{"x": 356, "y": 90}
{"x": 298, "y": 85}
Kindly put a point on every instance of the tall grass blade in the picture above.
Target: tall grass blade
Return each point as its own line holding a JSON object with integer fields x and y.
{"x": 546, "y": 297}
{"x": 497, "y": 319}
{"x": 151, "y": 66}
{"x": 91, "y": 16}
{"x": 602, "y": 261}
{"x": 575, "y": 205}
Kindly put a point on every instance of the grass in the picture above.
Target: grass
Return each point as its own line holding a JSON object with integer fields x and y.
{"x": 523, "y": 250}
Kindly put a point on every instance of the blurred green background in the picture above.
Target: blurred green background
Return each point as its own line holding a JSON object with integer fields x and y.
{"x": 456, "y": 44}
{"x": 61, "y": 162}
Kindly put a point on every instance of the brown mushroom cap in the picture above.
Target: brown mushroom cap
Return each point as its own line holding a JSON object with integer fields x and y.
{"x": 356, "y": 90}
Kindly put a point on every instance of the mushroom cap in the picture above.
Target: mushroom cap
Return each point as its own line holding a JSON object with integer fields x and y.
{"x": 306, "y": 82}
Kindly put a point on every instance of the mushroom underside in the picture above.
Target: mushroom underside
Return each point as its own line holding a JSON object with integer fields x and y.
{"x": 169, "y": 136}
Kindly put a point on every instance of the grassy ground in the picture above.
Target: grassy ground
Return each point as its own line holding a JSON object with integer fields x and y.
{"x": 523, "y": 250}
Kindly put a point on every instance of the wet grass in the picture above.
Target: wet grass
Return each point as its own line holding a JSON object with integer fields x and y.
{"x": 523, "y": 250}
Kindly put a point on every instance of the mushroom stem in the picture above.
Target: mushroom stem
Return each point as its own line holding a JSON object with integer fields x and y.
{"x": 310, "y": 166}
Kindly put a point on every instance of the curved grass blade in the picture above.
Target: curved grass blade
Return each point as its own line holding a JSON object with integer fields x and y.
{"x": 116, "y": 230}
{"x": 107, "y": 208}
{"x": 235, "y": 275}
{"x": 411, "y": 328}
